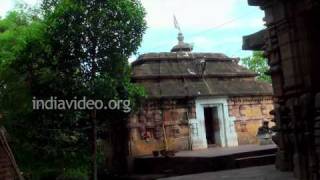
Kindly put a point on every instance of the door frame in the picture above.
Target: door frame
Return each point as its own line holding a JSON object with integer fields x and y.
{"x": 227, "y": 133}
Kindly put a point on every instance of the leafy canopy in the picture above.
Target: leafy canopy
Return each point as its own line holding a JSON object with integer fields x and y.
{"x": 257, "y": 63}
{"x": 71, "y": 48}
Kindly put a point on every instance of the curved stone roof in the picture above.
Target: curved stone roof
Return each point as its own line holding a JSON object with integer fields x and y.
{"x": 170, "y": 65}
{"x": 181, "y": 88}
{"x": 186, "y": 74}
{"x": 182, "y": 55}
{"x": 182, "y": 73}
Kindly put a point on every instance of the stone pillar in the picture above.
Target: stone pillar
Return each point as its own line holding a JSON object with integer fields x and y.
{"x": 291, "y": 44}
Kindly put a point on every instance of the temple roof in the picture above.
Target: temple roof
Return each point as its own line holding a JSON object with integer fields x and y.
{"x": 180, "y": 74}
{"x": 188, "y": 65}
{"x": 179, "y": 88}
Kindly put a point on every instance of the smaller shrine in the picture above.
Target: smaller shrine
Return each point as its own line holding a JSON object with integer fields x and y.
{"x": 196, "y": 100}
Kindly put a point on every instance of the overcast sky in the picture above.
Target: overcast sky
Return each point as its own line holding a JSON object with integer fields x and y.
{"x": 211, "y": 25}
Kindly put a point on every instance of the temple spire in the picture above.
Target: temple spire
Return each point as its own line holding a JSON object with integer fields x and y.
{"x": 181, "y": 46}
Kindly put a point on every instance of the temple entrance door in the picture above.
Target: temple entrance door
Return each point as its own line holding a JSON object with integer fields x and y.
{"x": 212, "y": 124}
{"x": 211, "y": 119}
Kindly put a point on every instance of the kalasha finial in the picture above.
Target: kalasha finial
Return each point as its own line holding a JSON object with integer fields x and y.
{"x": 182, "y": 46}
{"x": 180, "y": 38}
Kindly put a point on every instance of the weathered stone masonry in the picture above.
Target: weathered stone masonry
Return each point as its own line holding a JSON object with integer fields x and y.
{"x": 291, "y": 43}
{"x": 249, "y": 113}
{"x": 146, "y": 125}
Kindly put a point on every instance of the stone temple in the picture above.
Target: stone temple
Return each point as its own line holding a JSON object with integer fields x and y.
{"x": 195, "y": 101}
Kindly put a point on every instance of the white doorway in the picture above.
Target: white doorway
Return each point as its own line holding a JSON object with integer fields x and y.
{"x": 212, "y": 125}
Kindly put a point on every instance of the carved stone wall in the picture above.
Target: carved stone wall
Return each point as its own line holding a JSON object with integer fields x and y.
{"x": 292, "y": 42}
{"x": 161, "y": 123}
{"x": 249, "y": 113}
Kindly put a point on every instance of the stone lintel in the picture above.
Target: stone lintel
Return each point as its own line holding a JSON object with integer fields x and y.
{"x": 256, "y": 2}
{"x": 254, "y": 41}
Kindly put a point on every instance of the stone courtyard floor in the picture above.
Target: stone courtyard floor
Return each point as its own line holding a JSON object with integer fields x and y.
{"x": 219, "y": 151}
{"x": 212, "y": 163}
{"x": 253, "y": 173}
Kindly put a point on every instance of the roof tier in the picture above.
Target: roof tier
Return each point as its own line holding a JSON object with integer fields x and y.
{"x": 187, "y": 65}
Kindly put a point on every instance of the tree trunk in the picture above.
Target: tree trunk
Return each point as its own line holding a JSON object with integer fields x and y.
{"x": 94, "y": 146}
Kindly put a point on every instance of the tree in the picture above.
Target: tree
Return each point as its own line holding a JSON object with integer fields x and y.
{"x": 257, "y": 63}
{"x": 76, "y": 48}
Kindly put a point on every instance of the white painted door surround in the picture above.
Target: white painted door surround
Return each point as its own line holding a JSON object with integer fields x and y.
{"x": 226, "y": 137}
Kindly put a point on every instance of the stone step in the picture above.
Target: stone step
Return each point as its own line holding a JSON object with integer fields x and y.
{"x": 141, "y": 177}
{"x": 255, "y": 160}
{"x": 189, "y": 165}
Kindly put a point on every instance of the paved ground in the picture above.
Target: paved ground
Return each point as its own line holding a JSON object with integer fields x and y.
{"x": 254, "y": 173}
{"x": 218, "y": 151}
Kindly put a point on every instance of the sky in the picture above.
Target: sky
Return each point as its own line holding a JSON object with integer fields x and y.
{"x": 210, "y": 25}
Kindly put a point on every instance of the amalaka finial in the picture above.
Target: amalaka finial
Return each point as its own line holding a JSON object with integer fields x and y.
{"x": 180, "y": 38}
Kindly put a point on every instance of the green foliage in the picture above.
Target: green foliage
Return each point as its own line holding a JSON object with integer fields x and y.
{"x": 17, "y": 35}
{"x": 257, "y": 63}
{"x": 73, "y": 48}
